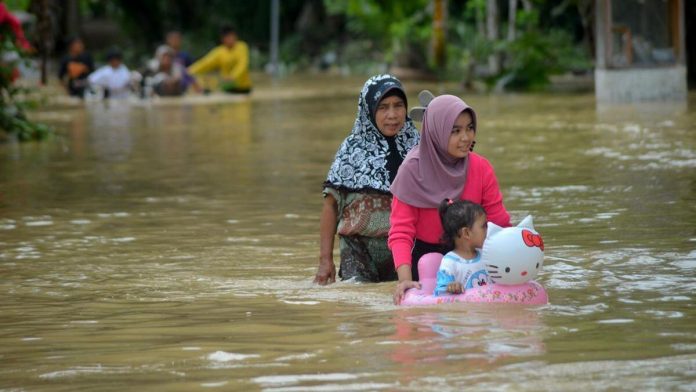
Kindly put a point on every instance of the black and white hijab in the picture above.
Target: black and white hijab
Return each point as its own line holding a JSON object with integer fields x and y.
{"x": 368, "y": 160}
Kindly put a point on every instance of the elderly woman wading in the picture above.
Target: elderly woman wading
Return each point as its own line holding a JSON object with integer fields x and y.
{"x": 356, "y": 192}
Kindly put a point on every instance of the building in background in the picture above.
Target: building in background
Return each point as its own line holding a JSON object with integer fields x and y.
{"x": 640, "y": 51}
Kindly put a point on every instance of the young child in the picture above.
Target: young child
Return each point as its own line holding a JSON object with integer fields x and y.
{"x": 464, "y": 230}
{"x": 114, "y": 78}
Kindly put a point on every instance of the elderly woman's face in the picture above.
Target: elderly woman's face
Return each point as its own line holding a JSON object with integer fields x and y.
{"x": 390, "y": 115}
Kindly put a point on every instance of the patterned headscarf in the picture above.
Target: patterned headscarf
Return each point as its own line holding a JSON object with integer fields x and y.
{"x": 361, "y": 161}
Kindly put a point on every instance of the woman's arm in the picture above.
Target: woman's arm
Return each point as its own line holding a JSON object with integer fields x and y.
{"x": 405, "y": 282}
{"x": 326, "y": 273}
{"x": 402, "y": 234}
{"x": 492, "y": 200}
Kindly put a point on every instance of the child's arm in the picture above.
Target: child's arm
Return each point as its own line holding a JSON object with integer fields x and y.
{"x": 444, "y": 280}
{"x": 492, "y": 200}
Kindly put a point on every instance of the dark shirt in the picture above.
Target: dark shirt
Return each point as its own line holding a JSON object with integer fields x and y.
{"x": 394, "y": 159}
{"x": 76, "y": 69}
{"x": 184, "y": 59}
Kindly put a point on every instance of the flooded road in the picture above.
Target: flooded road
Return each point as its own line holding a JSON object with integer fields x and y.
{"x": 172, "y": 247}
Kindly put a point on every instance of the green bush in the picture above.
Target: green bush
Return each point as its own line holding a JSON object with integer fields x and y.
{"x": 534, "y": 56}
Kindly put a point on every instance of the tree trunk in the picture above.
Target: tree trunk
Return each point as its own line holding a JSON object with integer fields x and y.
{"x": 72, "y": 18}
{"x": 587, "y": 11}
{"x": 512, "y": 20}
{"x": 492, "y": 34}
{"x": 480, "y": 25}
{"x": 527, "y": 5}
{"x": 439, "y": 28}
{"x": 45, "y": 36}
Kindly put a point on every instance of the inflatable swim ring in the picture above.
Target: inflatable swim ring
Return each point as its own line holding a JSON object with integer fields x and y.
{"x": 529, "y": 293}
{"x": 513, "y": 257}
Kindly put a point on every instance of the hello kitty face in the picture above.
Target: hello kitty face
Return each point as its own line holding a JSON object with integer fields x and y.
{"x": 513, "y": 255}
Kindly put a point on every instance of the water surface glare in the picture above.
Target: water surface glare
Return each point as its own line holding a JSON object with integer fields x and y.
{"x": 172, "y": 247}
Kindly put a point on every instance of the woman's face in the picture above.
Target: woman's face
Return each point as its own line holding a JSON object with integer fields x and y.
{"x": 462, "y": 136}
{"x": 390, "y": 115}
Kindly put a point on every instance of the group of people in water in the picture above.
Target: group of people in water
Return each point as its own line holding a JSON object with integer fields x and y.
{"x": 171, "y": 72}
{"x": 393, "y": 194}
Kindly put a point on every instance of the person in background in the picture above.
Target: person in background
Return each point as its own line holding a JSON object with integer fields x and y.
{"x": 75, "y": 67}
{"x": 231, "y": 62}
{"x": 113, "y": 78}
{"x": 164, "y": 76}
{"x": 442, "y": 166}
{"x": 173, "y": 40}
{"x": 356, "y": 191}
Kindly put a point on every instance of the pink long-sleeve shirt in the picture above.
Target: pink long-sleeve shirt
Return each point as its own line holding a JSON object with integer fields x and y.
{"x": 409, "y": 223}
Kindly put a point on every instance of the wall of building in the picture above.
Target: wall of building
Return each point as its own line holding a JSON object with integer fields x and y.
{"x": 641, "y": 84}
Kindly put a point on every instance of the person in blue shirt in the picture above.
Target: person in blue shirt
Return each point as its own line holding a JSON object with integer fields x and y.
{"x": 464, "y": 230}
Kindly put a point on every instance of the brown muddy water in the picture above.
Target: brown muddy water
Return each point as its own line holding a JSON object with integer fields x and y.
{"x": 172, "y": 247}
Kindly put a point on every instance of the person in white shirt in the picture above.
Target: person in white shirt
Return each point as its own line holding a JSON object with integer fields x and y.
{"x": 113, "y": 78}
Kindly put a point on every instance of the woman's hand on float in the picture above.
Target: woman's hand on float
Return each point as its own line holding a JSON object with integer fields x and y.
{"x": 401, "y": 288}
{"x": 326, "y": 274}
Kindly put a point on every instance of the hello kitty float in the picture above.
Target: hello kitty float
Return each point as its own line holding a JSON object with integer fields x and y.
{"x": 513, "y": 257}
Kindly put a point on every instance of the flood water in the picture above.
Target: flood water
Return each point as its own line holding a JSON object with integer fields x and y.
{"x": 172, "y": 247}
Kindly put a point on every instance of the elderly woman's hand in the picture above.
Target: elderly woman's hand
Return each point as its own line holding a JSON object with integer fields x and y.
{"x": 401, "y": 288}
{"x": 326, "y": 273}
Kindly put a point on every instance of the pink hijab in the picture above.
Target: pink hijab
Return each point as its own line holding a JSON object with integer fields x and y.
{"x": 429, "y": 174}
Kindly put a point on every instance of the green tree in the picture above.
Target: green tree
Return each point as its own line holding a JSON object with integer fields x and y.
{"x": 401, "y": 29}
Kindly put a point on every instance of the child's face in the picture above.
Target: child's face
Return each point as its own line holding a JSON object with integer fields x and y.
{"x": 473, "y": 237}
{"x": 478, "y": 231}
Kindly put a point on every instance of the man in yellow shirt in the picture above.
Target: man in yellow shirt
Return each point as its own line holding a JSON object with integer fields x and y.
{"x": 230, "y": 59}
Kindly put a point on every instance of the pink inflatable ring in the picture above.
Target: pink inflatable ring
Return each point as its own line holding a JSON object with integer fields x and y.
{"x": 528, "y": 293}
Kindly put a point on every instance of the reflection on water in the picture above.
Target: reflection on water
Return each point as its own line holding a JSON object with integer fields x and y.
{"x": 171, "y": 247}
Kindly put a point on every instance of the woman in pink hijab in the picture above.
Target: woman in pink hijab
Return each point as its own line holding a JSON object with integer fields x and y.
{"x": 442, "y": 166}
